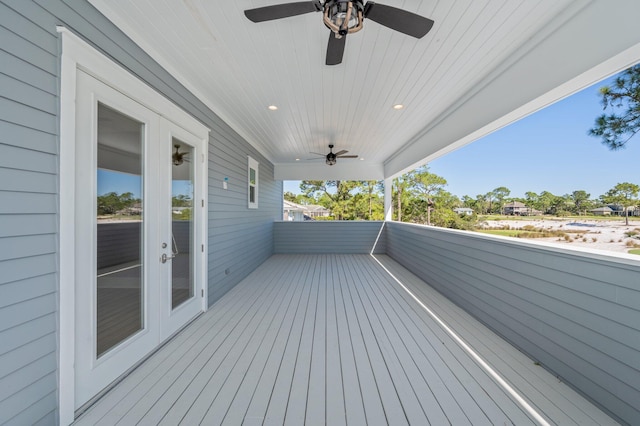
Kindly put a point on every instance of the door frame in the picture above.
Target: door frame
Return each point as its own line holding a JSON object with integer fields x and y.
{"x": 100, "y": 371}
{"x": 77, "y": 54}
{"x": 172, "y": 320}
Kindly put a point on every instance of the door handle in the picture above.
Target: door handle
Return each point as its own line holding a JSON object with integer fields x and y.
{"x": 164, "y": 258}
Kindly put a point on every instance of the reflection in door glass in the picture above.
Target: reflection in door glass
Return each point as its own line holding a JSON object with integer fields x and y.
{"x": 182, "y": 223}
{"x": 119, "y": 228}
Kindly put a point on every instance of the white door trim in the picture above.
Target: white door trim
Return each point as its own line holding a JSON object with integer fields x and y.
{"x": 77, "y": 54}
{"x": 173, "y": 320}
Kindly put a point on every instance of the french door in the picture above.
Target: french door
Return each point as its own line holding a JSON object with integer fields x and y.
{"x": 139, "y": 232}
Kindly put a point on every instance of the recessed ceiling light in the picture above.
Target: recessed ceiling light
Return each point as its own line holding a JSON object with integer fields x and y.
{"x": 272, "y": 108}
{"x": 297, "y": 159}
{"x": 361, "y": 159}
{"x": 398, "y": 106}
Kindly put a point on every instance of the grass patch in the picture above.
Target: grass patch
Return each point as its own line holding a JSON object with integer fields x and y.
{"x": 526, "y": 232}
{"x": 503, "y": 232}
{"x": 634, "y": 251}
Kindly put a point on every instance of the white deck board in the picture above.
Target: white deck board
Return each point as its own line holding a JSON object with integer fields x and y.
{"x": 334, "y": 339}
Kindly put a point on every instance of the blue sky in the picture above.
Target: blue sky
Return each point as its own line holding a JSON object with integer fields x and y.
{"x": 117, "y": 182}
{"x": 546, "y": 151}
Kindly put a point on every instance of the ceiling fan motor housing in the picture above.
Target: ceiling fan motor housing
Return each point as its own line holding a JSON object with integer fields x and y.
{"x": 343, "y": 16}
{"x": 331, "y": 159}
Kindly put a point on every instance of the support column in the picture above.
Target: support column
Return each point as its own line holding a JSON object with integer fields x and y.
{"x": 388, "y": 205}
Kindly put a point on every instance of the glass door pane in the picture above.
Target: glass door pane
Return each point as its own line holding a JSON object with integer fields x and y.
{"x": 182, "y": 220}
{"x": 120, "y": 228}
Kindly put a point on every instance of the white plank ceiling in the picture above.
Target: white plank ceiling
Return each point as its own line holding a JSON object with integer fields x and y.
{"x": 476, "y": 52}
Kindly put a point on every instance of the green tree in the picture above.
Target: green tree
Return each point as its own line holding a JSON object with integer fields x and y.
{"x": 304, "y": 200}
{"x": 561, "y": 205}
{"x": 545, "y": 200}
{"x": 500, "y": 194}
{"x": 481, "y": 203}
{"x": 289, "y": 196}
{"x": 468, "y": 202}
{"x": 401, "y": 193}
{"x": 624, "y": 194}
{"x": 374, "y": 204}
{"x": 473, "y": 203}
{"x": 112, "y": 202}
{"x": 623, "y": 97}
{"x": 426, "y": 184}
{"x": 531, "y": 200}
{"x": 181, "y": 200}
{"x": 443, "y": 203}
{"x": 339, "y": 200}
{"x": 490, "y": 197}
{"x": 580, "y": 200}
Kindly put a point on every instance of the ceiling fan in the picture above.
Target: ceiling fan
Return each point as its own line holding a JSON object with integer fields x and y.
{"x": 178, "y": 157}
{"x": 344, "y": 17}
{"x": 332, "y": 157}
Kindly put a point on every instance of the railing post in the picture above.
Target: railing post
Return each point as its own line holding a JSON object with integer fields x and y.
{"x": 388, "y": 205}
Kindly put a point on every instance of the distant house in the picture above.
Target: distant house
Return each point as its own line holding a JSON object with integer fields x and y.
{"x": 296, "y": 212}
{"x": 463, "y": 210}
{"x": 618, "y": 210}
{"x": 602, "y": 211}
{"x": 293, "y": 211}
{"x": 314, "y": 211}
{"x": 518, "y": 209}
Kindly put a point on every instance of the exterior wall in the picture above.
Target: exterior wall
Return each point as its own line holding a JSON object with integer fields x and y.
{"x": 576, "y": 313}
{"x": 239, "y": 238}
{"x": 347, "y": 237}
{"x": 28, "y": 220}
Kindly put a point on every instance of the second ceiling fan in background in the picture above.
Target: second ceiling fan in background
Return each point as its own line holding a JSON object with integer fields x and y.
{"x": 344, "y": 17}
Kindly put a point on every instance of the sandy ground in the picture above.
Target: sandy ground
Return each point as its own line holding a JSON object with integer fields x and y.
{"x": 600, "y": 234}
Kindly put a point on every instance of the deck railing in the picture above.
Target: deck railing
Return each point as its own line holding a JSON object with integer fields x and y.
{"x": 345, "y": 237}
{"x": 119, "y": 242}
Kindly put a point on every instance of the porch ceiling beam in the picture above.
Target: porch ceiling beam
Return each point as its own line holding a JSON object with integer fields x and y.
{"x": 318, "y": 170}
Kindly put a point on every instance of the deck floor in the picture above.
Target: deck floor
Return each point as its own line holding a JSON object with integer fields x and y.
{"x": 335, "y": 339}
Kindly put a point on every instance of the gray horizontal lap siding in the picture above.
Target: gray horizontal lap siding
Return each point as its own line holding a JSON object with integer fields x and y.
{"x": 347, "y": 237}
{"x": 28, "y": 221}
{"x": 241, "y": 238}
{"x": 578, "y": 315}
{"x": 29, "y": 144}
